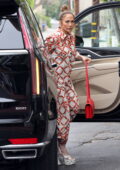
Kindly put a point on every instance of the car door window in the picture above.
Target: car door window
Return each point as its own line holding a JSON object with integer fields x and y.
{"x": 99, "y": 29}
{"x": 34, "y": 28}
{"x": 10, "y": 33}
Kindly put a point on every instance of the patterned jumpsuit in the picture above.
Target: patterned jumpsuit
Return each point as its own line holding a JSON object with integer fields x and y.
{"x": 61, "y": 50}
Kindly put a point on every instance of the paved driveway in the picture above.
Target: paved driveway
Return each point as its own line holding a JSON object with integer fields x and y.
{"x": 96, "y": 146}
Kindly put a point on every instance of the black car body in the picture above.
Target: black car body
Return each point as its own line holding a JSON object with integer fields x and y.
{"x": 27, "y": 106}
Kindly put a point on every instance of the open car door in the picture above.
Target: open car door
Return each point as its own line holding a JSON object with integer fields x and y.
{"x": 98, "y": 36}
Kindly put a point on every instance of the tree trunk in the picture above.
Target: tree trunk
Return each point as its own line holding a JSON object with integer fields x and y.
{"x": 76, "y": 6}
{"x": 95, "y": 2}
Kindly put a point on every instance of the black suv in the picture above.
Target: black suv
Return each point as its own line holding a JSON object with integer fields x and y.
{"x": 27, "y": 103}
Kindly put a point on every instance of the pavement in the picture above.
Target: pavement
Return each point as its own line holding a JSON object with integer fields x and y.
{"x": 48, "y": 32}
{"x": 96, "y": 146}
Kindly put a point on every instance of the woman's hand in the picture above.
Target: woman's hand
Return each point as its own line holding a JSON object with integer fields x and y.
{"x": 86, "y": 59}
{"x": 83, "y": 58}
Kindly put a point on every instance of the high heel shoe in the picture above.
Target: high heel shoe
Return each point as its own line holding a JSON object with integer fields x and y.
{"x": 66, "y": 160}
{"x": 60, "y": 159}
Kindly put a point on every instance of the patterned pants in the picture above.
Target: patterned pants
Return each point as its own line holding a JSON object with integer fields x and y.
{"x": 67, "y": 108}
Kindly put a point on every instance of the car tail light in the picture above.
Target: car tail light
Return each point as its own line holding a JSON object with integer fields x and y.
{"x": 23, "y": 141}
{"x": 35, "y": 66}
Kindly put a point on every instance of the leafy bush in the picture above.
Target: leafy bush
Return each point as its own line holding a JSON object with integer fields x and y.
{"x": 30, "y": 2}
{"x": 44, "y": 19}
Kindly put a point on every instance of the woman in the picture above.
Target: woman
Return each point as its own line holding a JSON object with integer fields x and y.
{"x": 61, "y": 50}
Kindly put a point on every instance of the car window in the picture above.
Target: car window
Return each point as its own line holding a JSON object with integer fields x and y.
{"x": 99, "y": 29}
{"x": 10, "y": 34}
{"x": 34, "y": 28}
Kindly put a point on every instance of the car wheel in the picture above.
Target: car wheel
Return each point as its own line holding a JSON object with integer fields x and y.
{"x": 46, "y": 162}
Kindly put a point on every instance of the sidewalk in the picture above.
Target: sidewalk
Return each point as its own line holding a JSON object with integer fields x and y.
{"x": 48, "y": 31}
{"x": 55, "y": 25}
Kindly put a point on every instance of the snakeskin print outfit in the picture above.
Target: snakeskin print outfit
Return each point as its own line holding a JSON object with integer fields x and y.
{"x": 61, "y": 50}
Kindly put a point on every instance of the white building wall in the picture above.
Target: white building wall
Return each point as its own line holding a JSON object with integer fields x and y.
{"x": 84, "y": 4}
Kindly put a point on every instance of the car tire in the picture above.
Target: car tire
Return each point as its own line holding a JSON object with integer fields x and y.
{"x": 48, "y": 161}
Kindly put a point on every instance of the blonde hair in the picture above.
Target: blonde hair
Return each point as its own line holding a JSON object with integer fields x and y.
{"x": 64, "y": 11}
